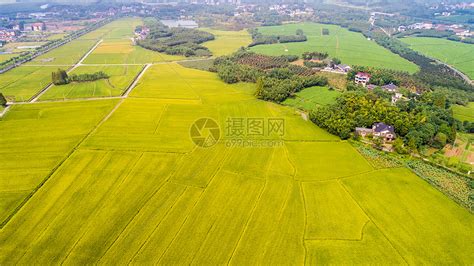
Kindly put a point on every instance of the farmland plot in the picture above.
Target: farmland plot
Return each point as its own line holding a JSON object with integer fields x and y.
{"x": 48, "y": 133}
{"x": 311, "y": 98}
{"x": 227, "y": 42}
{"x": 66, "y": 55}
{"x": 120, "y": 78}
{"x": 351, "y": 47}
{"x": 457, "y": 54}
{"x": 464, "y": 113}
{"x": 415, "y": 201}
{"x": 137, "y": 190}
{"x": 118, "y": 48}
{"x": 21, "y": 83}
{"x": 125, "y": 52}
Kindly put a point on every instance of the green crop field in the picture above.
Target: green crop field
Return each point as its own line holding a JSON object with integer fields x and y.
{"x": 68, "y": 54}
{"x": 310, "y": 98}
{"x": 126, "y": 184}
{"x": 21, "y": 83}
{"x": 124, "y": 52}
{"x": 351, "y": 47}
{"x": 464, "y": 113}
{"x": 457, "y": 54}
{"x": 227, "y": 42}
{"x": 5, "y": 57}
{"x": 120, "y": 79}
{"x": 118, "y": 48}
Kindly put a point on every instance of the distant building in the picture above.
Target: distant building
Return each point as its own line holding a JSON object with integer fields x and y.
{"x": 342, "y": 68}
{"x": 189, "y": 24}
{"x": 390, "y": 87}
{"x": 378, "y": 130}
{"x": 402, "y": 28}
{"x": 38, "y": 26}
{"x": 421, "y": 26}
{"x": 362, "y": 78}
{"x": 8, "y": 35}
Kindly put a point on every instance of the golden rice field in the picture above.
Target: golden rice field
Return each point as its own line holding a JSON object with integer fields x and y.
{"x": 121, "y": 181}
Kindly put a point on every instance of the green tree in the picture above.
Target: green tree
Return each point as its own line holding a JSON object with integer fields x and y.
{"x": 3, "y": 100}
{"x": 440, "y": 140}
{"x": 399, "y": 147}
{"x": 259, "y": 89}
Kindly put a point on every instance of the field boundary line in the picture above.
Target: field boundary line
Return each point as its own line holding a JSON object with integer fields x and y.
{"x": 4, "y": 111}
{"x": 150, "y": 235}
{"x": 68, "y": 155}
{"x": 370, "y": 218}
{"x": 233, "y": 195}
{"x": 135, "y": 81}
{"x": 191, "y": 210}
{"x": 343, "y": 239}
{"x": 143, "y": 205}
{"x": 108, "y": 195}
{"x": 267, "y": 171}
{"x": 160, "y": 118}
{"x": 52, "y": 221}
{"x": 38, "y": 95}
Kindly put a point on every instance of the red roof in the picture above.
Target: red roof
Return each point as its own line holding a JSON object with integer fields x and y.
{"x": 363, "y": 75}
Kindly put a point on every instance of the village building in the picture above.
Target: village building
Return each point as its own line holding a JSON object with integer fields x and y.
{"x": 38, "y": 26}
{"x": 390, "y": 87}
{"x": 362, "y": 78}
{"x": 378, "y": 130}
{"x": 342, "y": 68}
{"x": 402, "y": 28}
{"x": 189, "y": 24}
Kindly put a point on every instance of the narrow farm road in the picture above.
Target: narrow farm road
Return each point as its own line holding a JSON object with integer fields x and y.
{"x": 79, "y": 63}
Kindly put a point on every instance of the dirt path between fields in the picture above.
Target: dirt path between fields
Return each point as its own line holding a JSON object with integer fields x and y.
{"x": 79, "y": 63}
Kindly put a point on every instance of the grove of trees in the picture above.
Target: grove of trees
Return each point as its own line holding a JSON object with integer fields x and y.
{"x": 60, "y": 77}
{"x": 175, "y": 41}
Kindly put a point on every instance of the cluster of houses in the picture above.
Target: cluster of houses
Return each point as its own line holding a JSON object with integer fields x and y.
{"x": 141, "y": 33}
{"x": 363, "y": 79}
{"x": 340, "y": 68}
{"x": 8, "y": 35}
{"x": 292, "y": 11}
{"x": 13, "y": 33}
{"x": 459, "y": 30}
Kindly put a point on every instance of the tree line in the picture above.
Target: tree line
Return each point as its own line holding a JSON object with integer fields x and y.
{"x": 60, "y": 77}
{"x": 258, "y": 38}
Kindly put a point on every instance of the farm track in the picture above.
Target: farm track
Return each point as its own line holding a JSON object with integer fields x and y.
{"x": 79, "y": 63}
